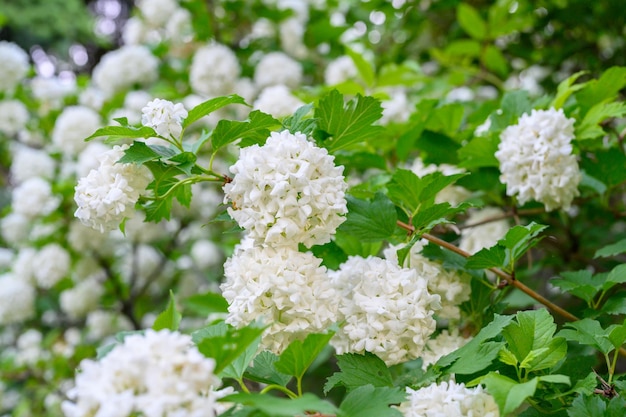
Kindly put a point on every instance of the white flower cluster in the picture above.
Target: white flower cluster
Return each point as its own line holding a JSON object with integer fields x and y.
{"x": 13, "y": 65}
{"x": 214, "y": 70}
{"x": 107, "y": 195}
{"x": 536, "y": 159}
{"x": 124, "y": 67}
{"x": 33, "y": 198}
{"x": 50, "y": 265}
{"x": 287, "y": 191}
{"x": 156, "y": 13}
{"x": 278, "y": 101}
{"x": 17, "y": 299}
{"x": 155, "y": 374}
{"x": 452, "y": 287}
{"x": 483, "y": 235}
{"x": 386, "y": 310}
{"x": 287, "y": 289}
{"x": 449, "y": 399}
{"x": 277, "y": 68}
{"x": 13, "y": 116}
{"x": 31, "y": 163}
{"x": 340, "y": 70}
{"x": 71, "y": 128}
{"x": 164, "y": 117}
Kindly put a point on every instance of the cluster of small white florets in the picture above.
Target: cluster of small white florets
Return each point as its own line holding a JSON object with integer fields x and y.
{"x": 287, "y": 191}
{"x": 286, "y": 289}
{"x": 277, "y": 101}
{"x": 536, "y": 159}
{"x": 71, "y": 128}
{"x": 453, "y": 287}
{"x": 128, "y": 65}
{"x": 30, "y": 163}
{"x": 108, "y": 195}
{"x": 17, "y": 299}
{"x": 277, "y": 68}
{"x": 164, "y": 117}
{"x": 340, "y": 70}
{"x": 13, "y": 117}
{"x": 214, "y": 70}
{"x": 449, "y": 399}
{"x": 155, "y": 374}
{"x": 13, "y": 65}
{"x": 385, "y": 309}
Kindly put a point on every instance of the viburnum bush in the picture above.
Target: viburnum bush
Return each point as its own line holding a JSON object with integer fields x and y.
{"x": 324, "y": 208}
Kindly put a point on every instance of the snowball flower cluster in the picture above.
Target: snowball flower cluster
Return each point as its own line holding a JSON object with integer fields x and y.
{"x": 536, "y": 159}
{"x": 34, "y": 198}
{"x": 17, "y": 300}
{"x": 287, "y": 191}
{"x": 449, "y": 399}
{"x": 453, "y": 288}
{"x": 214, "y": 70}
{"x": 340, "y": 70}
{"x": 13, "y": 116}
{"x": 71, "y": 128}
{"x": 154, "y": 375}
{"x": 50, "y": 265}
{"x": 386, "y": 310}
{"x": 278, "y": 101}
{"x": 123, "y": 67}
{"x": 286, "y": 289}
{"x": 13, "y": 65}
{"x": 157, "y": 12}
{"x": 164, "y": 117}
{"x": 277, "y": 68}
{"x": 31, "y": 163}
{"x": 107, "y": 195}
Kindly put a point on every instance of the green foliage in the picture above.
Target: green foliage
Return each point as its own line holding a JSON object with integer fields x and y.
{"x": 370, "y": 401}
{"x": 170, "y": 318}
{"x": 370, "y": 221}
{"x": 299, "y": 355}
{"x": 274, "y": 406}
{"x": 358, "y": 370}
{"x": 252, "y": 131}
{"x": 209, "y": 106}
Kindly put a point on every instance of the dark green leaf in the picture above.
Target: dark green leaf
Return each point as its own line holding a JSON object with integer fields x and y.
{"x": 358, "y": 370}
{"x": 299, "y": 355}
{"x": 485, "y": 258}
{"x": 370, "y": 401}
{"x": 417, "y": 123}
{"x": 370, "y": 221}
{"x": 170, "y": 318}
{"x": 509, "y": 394}
{"x": 587, "y": 406}
{"x": 471, "y": 21}
{"x": 124, "y": 132}
{"x": 617, "y": 275}
{"x": 349, "y": 125}
{"x": 513, "y": 105}
{"x": 612, "y": 249}
{"x": 263, "y": 370}
{"x": 578, "y": 283}
{"x": 279, "y": 407}
{"x": 210, "y": 106}
{"x": 479, "y": 152}
{"x": 205, "y": 304}
{"x": 495, "y": 61}
{"x": 139, "y": 153}
{"x": 587, "y": 332}
{"x": 430, "y": 217}
{"x": 254, "y": 130}
{"x": 237, "y": 367}
{"x": 299, "y": 122}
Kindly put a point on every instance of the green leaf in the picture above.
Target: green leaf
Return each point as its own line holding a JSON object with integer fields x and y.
{"x": 358, "y": 370}
{"x": 519, "y": 239}
{"x": 590, "y": 128}
{"x": 263, "y": 370}
{"x": 587, "y": 406}
{"x": 617, "y": 275}
{"x": 617, "y": 335}
{"x": 224, "y": 343}
{"x": 255, "y": 129}
{"x": 493, "y": 257}
{"x": 170, "y": 318}
{"x": 430, "y": 217}
{"x": 566, "y": 88}
{"x": 299, "y": 355}
{"x": 210, "y": 106}
{"x": 602, "y": 90}
{"x": 366, "y": 71}
{"x": 507, "y": 357}
{"x": 611, "y": 250}
{"x": 413, "y": 193}
{"x": 370, "y": 401}
{"x": 350, "y": 125}
{"x": 298, "y": 122}
{"x": 578, "y": 283}
{"x": 588, "y": 332}
{"x": 463, "y": 47}
{"x": 479, "y": 352}
{"x": 207, "y": 303}
{"x": 283, "y": 407}
{"x": 471, "y": 21}
{"x": 139, "y": 153}
{"x": 446, "y": 119}
{"x": 555, "y": 379}
{"x": 370, "y": 221}
{"x": 507, "y": 393}
{"x": 512, "y": 106}
{"x": 615, "y": 305}
{"x": 237, "y": 367}
{"x": 123, "y": 132}
{"x": 351, "y": 245}
{"x": 495, "y": 61}
{"x": 417, "y": 123}
{"x": 479, "y": 152}
{"x": 184, "y": 161}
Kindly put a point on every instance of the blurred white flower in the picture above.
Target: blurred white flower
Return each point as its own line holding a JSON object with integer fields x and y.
{"x": 536, "y": 159}
{"x": 449, "y": 399}
{"x": 206, "y": 254}
{"x": 17, "y": 300}
{"x": 84, "y": 297}
{"x": 107, "y": 195}
{"x": 156, "y": 13}
{"x": 164, "y": 117}
{"x": 152, "y": 374}
{"x": 397, "y": 109}
{"x": 13, "y": 116}
{"x": 277, "y": 68}
{"x": 287, "y": 191}
{"x": 386, "y": 310}
{"x": 50, "y": 265}
{"x": 103, "y": 323}
{"x": 214, "y": 70}
{"x": 71, "y": 128}
{"x": 122, "y": 68}
{"x": 29, "y": 163}
{"x": 484, "y": 235}
{"x": 340, "y": 70}
{"x": 13, "y": 65}
{"x": 277, "y": 101}
{"x": 288, "y": 290}
{"x": 34, "y": 198}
